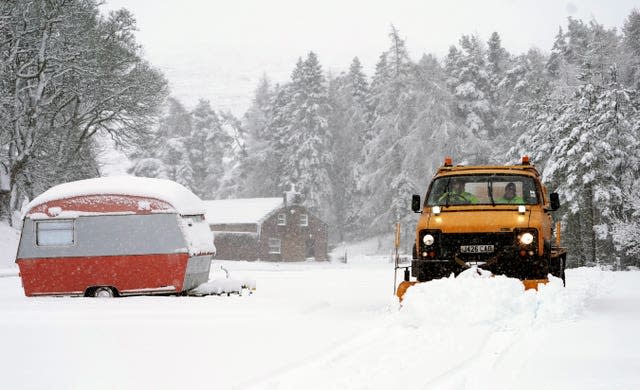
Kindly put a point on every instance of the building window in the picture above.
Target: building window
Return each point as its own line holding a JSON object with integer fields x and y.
{"x": 304, "y": 220}
{"x": 274, "y": 246}
{"x": 282, "y": 219}
{"x": 54, "y": 233}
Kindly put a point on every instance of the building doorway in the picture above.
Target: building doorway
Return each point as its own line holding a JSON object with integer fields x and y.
{"x": 310, "y": 248}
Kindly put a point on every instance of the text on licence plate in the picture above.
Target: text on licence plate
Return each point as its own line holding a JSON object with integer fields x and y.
{"x": 476, "y": 248}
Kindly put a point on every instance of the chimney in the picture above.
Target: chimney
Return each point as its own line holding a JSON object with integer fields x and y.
{"x": 292, "y": 196}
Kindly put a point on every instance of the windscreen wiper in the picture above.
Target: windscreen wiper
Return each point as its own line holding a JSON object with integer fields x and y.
{"x": 446, "y": 192}
{"x": 493, "y": 202}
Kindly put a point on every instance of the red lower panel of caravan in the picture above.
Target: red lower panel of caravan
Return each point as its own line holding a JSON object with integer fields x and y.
{"x": 137, "y": 274}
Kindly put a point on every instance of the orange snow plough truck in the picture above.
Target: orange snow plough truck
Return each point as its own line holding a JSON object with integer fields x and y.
{"x": 497, "y": 218}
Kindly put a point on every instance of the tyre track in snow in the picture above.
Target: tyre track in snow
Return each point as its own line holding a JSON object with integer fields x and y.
{"x": 337, "y": 350}
{"x": 356, "y": 362}
{"x": 476, "y": 370}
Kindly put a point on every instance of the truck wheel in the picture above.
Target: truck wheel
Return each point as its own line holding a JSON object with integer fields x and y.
{"x": 103, "y": 292}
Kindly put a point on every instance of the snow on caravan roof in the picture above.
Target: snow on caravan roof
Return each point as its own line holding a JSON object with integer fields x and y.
{"x": 184, "y": 201}
{"x": 249, "y": 210}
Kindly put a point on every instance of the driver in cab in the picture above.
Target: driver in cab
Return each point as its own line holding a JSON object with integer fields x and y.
{"x": 455, "y": 194}
{"x": 510, "y": 195}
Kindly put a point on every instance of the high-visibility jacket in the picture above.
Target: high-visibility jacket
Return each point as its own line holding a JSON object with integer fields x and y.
{"x": 514, "y": 200}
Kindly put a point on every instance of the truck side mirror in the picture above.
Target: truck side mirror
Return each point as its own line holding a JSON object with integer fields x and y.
{"x": 415, "y": 204}
{"x": 555, "y": 201}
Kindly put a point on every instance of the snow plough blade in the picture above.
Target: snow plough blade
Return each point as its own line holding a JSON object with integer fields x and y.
{"x": 532, "y": 284}
{"x": 529, "y": 284}
{"x": 402, "y": 288}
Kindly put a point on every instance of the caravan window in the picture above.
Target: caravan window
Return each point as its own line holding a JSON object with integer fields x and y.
{"x": 54, "y": 233}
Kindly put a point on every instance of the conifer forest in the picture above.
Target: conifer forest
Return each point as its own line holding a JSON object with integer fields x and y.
{"x": 356, "y": 145}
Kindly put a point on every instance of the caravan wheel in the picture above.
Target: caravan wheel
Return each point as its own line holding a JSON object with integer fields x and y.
{"x": 103, "y": 292}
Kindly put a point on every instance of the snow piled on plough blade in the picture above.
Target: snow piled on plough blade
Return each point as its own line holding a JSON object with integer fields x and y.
{"x": 480, "y": 296}
{"x": 473, "y": 272}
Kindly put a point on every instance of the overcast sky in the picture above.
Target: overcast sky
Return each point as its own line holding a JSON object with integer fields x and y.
{"x": 218, "y": 49}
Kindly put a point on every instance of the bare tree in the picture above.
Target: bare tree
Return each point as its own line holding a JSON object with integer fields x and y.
{"x": 67, "y": 74}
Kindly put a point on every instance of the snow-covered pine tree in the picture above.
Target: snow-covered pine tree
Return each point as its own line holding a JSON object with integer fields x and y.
{"x": 175, "y": 157}
{"x": 348, "y": 125}
{"x": 557, "y": 57}
{"x": 233, "y": 141}
{"x": 177, "y": 122}
{"x": 524, "y": 85}
{"x": 206, "y": 146}
{"x": 497, "y": 58}
{"x": 269, "y": 155}
{"x": 601, "y": 53}
{"x": 594, "y": 163}
{"x": 535, "y": 124}
{"x": 436, "y": 131}
{"x": 167, "y": 145}
{"x": 577, "y": 41}
{"x": 469, "y": 82}
{"x": 356, "y": 83}
{"x": 500, "y": 65}
{"x": 626, "y": 233}
{"x": 256, "y": 118}
{"x": 307, "y": 157}
{"x": 563, "y": 65}
{"x": 377, "y": 92}
{"x": 617, "y": 121}
{"x": 258, "y": 166}
{"x": 401, "y": 188}
{"x": 393, "y": 108}
{"x": 631, "y": 31}
{"x": 631, "y": 42}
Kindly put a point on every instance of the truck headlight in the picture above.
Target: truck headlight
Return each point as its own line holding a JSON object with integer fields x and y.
{"x": 526, "y": 238}
{"x": 428, "y": 239}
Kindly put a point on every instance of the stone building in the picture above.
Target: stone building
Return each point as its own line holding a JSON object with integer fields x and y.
{"x": 267, "y": 229}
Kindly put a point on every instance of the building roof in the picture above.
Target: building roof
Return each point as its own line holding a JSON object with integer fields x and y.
{"x": 237, "y": 211}
{"x": 180, "y": 198}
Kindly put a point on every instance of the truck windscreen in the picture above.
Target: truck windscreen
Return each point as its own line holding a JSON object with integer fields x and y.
{"x": 483, "y": 190}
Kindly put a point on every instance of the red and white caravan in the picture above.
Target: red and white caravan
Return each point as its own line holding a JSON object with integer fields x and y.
{"x": 114, "y": 236}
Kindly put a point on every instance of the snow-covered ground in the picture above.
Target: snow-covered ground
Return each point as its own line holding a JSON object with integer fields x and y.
{"x": 8, "y": 246}
{"x": 328, "y": 326}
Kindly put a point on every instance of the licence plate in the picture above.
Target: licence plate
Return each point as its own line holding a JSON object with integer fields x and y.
{"x": 476, "y": 248}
